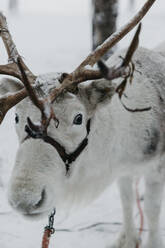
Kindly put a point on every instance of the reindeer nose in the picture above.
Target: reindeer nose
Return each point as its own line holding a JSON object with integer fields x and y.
{"x": 28, "y": 203}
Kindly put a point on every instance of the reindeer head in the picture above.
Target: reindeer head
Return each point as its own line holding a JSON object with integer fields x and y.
{"x": 48, "y": 166}
{"x": 53, "y": 123}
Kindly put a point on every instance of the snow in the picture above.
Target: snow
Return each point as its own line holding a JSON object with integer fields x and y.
{"x": 48, "y": 37}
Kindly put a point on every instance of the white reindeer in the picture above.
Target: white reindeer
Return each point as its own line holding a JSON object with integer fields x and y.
{"x": 96, "y": 139}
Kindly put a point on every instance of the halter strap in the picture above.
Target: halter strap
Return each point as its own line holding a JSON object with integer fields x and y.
{"x": 68, "y": 159}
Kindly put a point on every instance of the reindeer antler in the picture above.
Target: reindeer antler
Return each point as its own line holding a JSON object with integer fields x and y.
{"x": 11, "y": 69}
{"x": 82, "y": 73}
{"x": 17, "y": 68}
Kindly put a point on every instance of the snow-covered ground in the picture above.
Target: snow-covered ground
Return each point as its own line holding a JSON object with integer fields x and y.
{"x": 55, "y": 37}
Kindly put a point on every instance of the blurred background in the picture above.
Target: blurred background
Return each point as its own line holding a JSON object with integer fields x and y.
{"x": 55, "y": 35}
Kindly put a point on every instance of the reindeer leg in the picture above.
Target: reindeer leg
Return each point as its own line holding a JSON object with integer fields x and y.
{"x": 152, "y": 203}
{"x": 129, "y": 237}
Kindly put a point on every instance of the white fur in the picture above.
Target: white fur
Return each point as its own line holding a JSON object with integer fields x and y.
{"x": 122, "y": 145}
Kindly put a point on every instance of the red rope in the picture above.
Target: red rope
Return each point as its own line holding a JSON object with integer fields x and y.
{"x": 140, "y": 211}
{"x": 46, "y": 238}
{"x": 49, "y": 230}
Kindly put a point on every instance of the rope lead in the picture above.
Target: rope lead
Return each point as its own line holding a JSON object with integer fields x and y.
{"x": 49, "y": 230}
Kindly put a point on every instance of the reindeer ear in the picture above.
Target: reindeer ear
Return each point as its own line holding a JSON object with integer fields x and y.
{"x": 100, "y": 91}
{"x": 9, "y": 85}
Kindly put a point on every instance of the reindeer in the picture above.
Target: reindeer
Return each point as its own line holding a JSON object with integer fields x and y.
{"x": 76, "y": 139}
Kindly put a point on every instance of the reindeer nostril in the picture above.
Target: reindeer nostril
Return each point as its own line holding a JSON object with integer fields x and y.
{"x": 42, "y": 199}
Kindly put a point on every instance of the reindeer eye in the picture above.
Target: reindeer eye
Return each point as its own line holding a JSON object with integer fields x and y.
{"x": 78, "y": 119}
{"x": 16, "y": 118}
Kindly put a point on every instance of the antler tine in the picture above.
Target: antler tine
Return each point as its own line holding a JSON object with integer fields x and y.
{"x": 82, "y": 73}
{"x": 10, "y": 100}
{"x": 121, "y": 70}
{"x": 111, "y": 73}
{"x": 11, "y": 68}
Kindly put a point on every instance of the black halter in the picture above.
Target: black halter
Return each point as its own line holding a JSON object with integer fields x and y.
{"x": 68, "y": 159}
